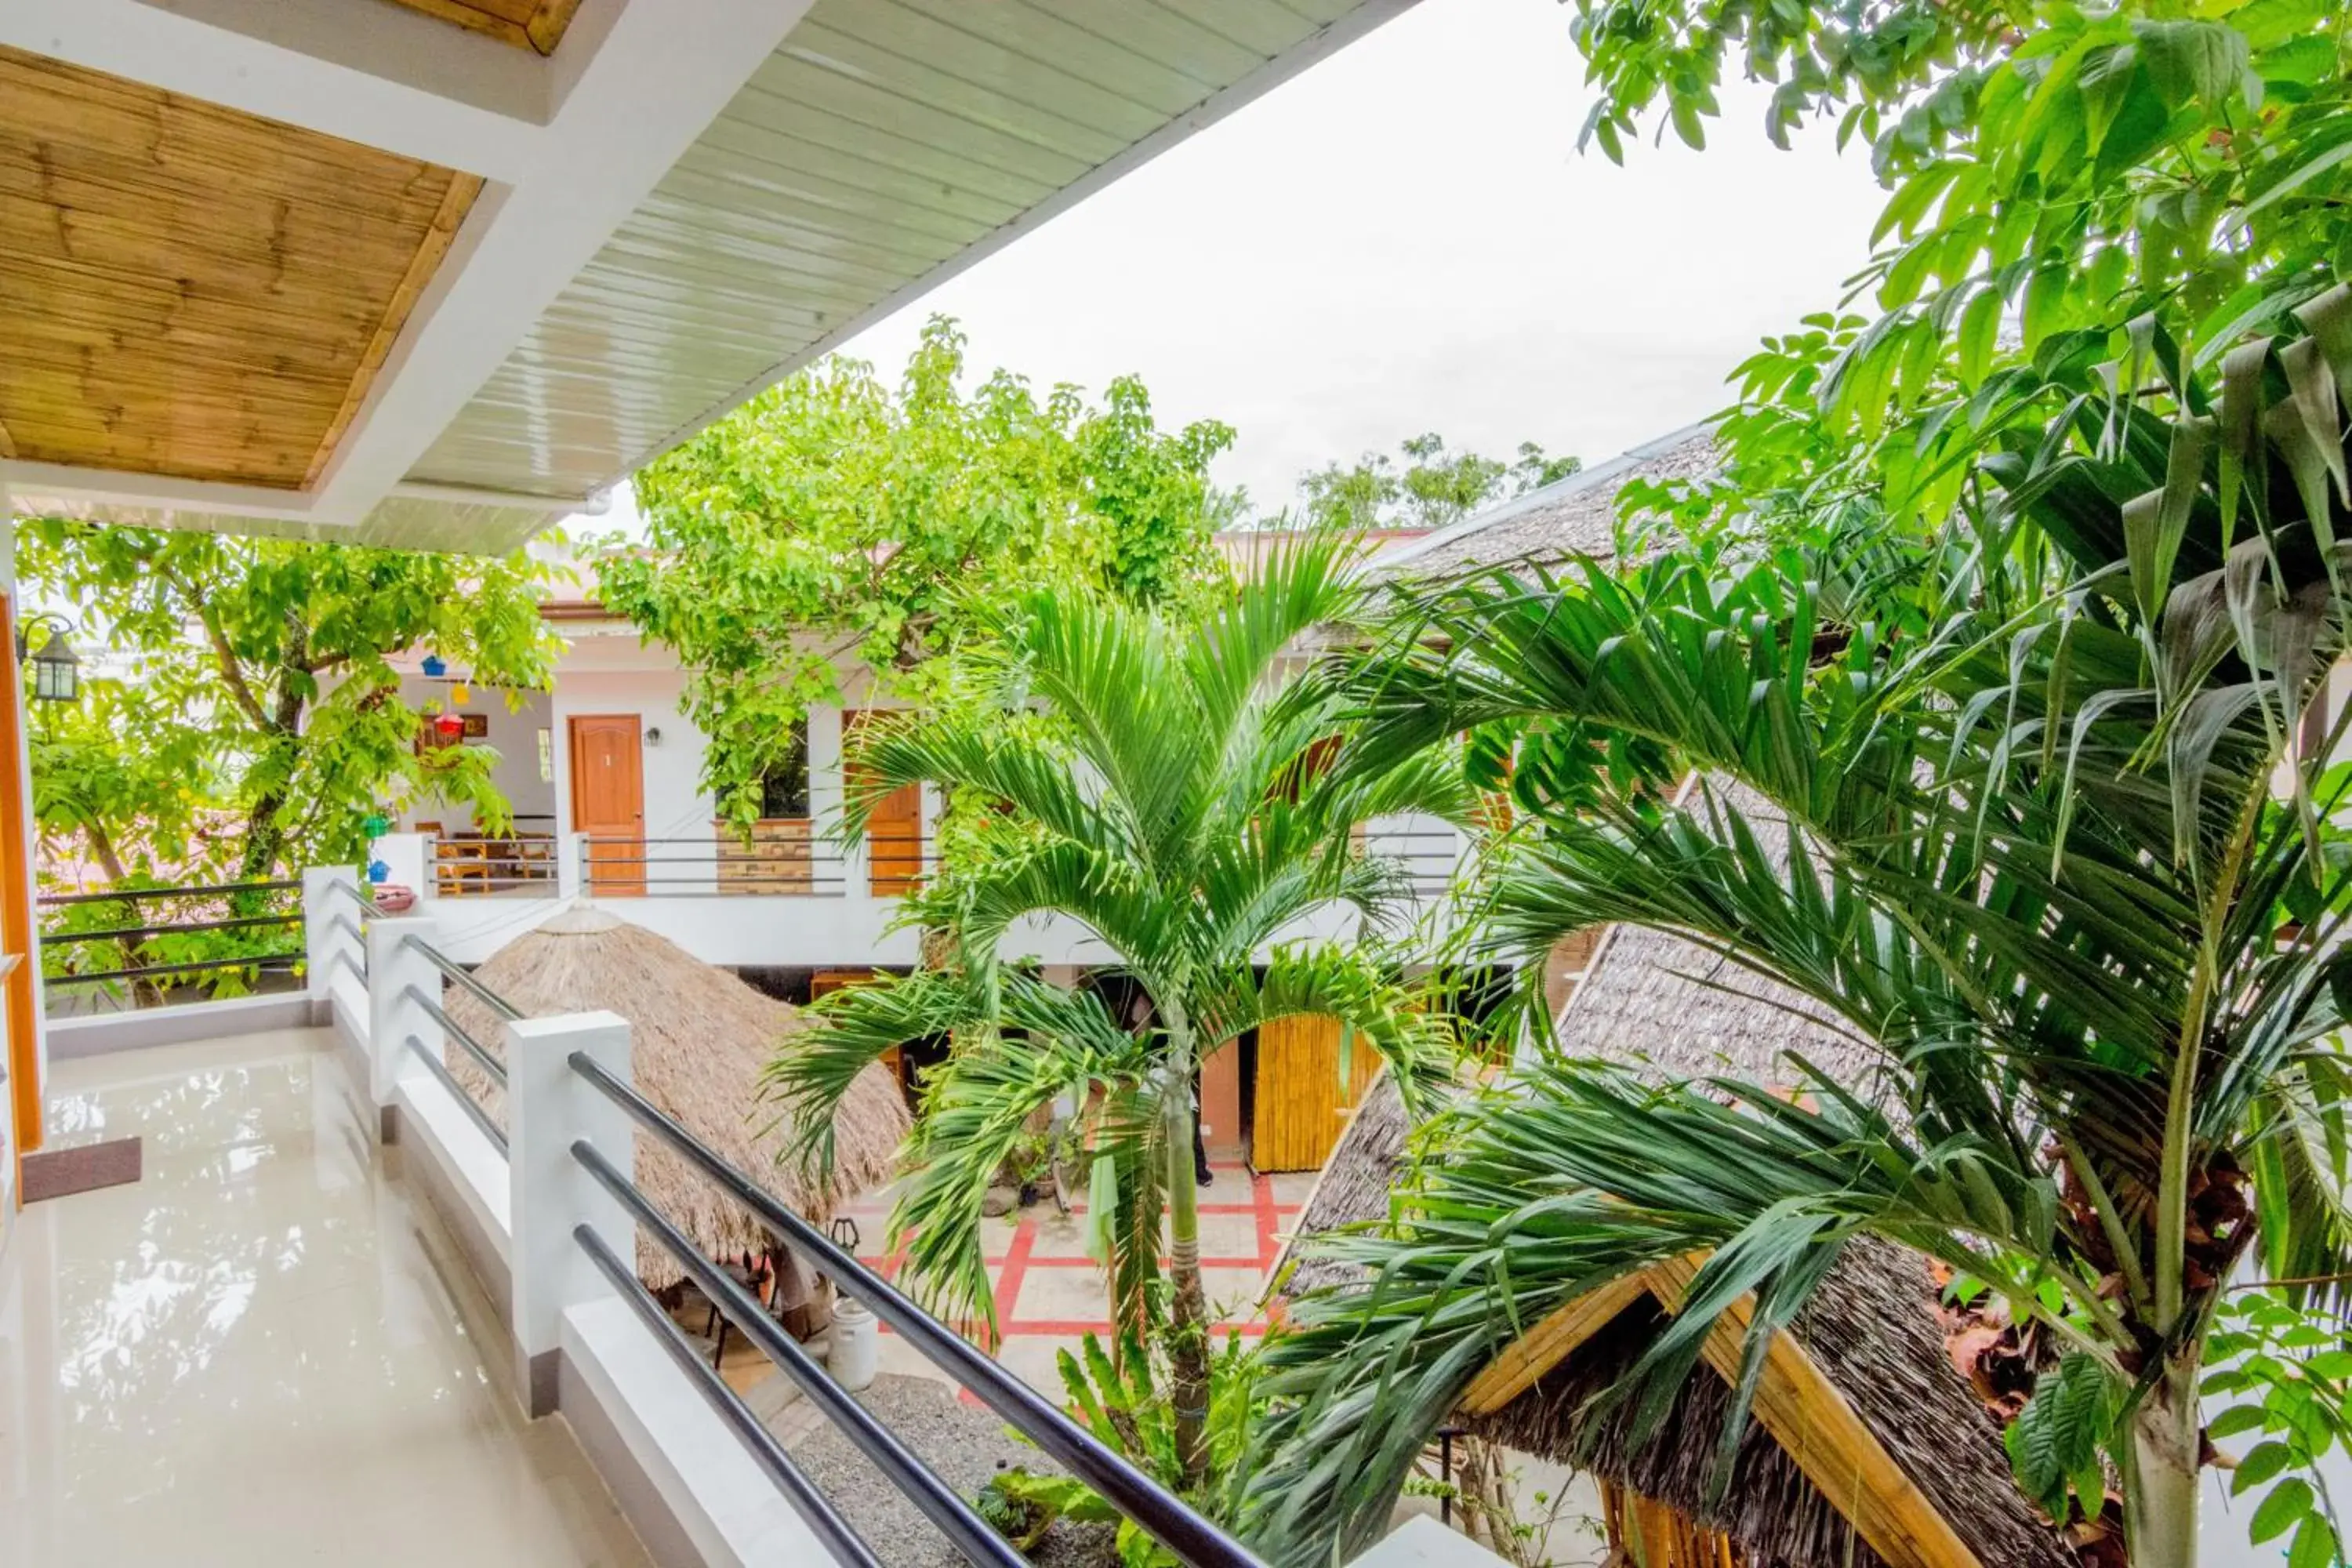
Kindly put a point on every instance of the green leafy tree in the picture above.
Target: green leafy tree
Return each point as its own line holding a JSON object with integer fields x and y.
{"x": 1178, "y": 809}
{"x": 1434, "y": 486}
{"x": 832, "y": 516}
{"x": 2052, "y": 169}
{"x": 262, "y": 690}
{"x": 2066, "y": 862}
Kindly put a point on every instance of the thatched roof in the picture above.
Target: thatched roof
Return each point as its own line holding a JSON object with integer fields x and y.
{"x": 699, "y": 1039}
{"x": 1872, "y": 1331}
{"x": 1578, "y": 516}
{"x": 1649, "y": 997}
{"x": 1354, "y": 1184}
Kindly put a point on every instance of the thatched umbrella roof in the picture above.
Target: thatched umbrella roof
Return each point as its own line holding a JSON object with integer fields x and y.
{"x": 698, "y": 1040}
{"x": 1870, "y": 1336}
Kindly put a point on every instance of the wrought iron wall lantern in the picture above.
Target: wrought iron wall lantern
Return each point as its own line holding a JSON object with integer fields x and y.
{"x": 57, "y": 672}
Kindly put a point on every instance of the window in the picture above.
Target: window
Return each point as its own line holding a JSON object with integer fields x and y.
{"x": 785, "y": 792}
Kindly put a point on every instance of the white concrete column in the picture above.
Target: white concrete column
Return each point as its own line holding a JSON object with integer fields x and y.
{"x": 569, "y": 847}
{"x": 837, "y": 869}
{"x": 322, "y": 906}
{"x": 408, "y": 856}
{"x": 548, "y": 1105}
{"x": 392, "y": 1014}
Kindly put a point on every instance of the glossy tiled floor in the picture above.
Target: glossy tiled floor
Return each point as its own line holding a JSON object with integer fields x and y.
{"x": 260, "y": 1353}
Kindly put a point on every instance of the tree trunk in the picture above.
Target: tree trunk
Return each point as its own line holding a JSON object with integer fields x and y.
{"x": 2162, "y": 1487}
{"x": 1188, "y": 1348}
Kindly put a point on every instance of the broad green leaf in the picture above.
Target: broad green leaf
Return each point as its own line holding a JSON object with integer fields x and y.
{"x": 2282, "y": 1509}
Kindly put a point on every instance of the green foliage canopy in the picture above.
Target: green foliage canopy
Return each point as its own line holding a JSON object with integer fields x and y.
{"x": 261, "y": 719}
{"x": 1434, "y": 488}
{"x": 831, "y": 516}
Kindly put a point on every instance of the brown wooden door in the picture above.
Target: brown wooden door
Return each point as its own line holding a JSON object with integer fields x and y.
{"x": 1301, "y": 1103}
{"x": 894, "y": 833}
{"x": 608, "y": 800}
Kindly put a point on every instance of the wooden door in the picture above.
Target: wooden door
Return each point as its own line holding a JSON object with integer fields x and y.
{"x": 894, "y": 833}
{"x": 608, "y": 800}
{"x": 1302, "y": 1104}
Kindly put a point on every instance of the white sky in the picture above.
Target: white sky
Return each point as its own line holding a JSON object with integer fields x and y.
{"x": 1404, "y": 239}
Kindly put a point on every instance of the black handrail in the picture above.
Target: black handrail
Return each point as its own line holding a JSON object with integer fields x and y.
{"x": 53, "y": 900}
{"x": 126, "y": 933}
{"x": 1152, "y": 1507}
{"x": 209, "y": 965}
{"x": 497, "y": 1004}
{"x": 811, "y": 1504}
{"x": 448, "y": 1080}
{"x": 916, "y": 1481}
{"x": 482, "y": 1057}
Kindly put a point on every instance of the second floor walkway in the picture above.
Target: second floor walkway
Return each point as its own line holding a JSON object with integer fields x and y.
{"x": 267, "y": 1349}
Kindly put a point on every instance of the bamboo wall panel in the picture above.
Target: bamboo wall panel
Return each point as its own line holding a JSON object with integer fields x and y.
{"x": 1301, "y": 1102}
{"x": 1647, "y": 1533}
{"x": 534, "y": 25}
{"x": 193, "y": 292}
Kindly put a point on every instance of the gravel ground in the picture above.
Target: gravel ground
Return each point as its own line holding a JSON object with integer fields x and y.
{"x": 964, "y": 1443}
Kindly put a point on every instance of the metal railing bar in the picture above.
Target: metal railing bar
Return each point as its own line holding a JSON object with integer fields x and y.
{"x": 125, "y": 934}
{"x": 52, "y": 901}
{"x": 497, "y": 1004}
{"x": 814, "y": 1507}
{"x": 208, "y": 965}
{"x": 482, "y": 1057}
{"x": 916, "y": 1481}
{"x": 358, "y": 966}
{"x": 1152, "y": 1507}
{"x": 337, "y": 923}
{"x": 366, "y": 901}
{"x": 448, "y": 1080}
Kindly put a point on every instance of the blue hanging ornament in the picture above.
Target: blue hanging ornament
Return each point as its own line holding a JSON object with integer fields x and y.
{"x": 379, "y": 872}
{"x": 435, "y": 665}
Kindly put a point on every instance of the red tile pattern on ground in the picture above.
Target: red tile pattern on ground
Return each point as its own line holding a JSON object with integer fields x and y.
{"x": 1012, "y": 1271}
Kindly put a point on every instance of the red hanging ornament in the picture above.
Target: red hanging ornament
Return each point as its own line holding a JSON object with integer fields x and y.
{"x": 449, "y": 724}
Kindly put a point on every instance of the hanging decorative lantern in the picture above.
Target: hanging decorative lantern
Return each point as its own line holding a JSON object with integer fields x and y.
{"x": 57, "y": 672}
{"x": 461, "y": 693}
{"x": 378, "y": 871}
{"x": 375, "y": 826}
{"x": 435, "y": 665}
{"x": 449, "y": 725}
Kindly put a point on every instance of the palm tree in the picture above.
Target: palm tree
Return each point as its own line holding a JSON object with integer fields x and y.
{"x": 1169, "y": 782}
{"x": 2069, "y": 870}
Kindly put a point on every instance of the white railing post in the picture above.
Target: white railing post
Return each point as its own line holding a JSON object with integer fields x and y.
{"x": 320, "y": 905}
{"x": 549, "y": 1105}
{"x": 571, "y": 851}
{"x": 393, "y": 1016}
{"x": 408, "y": 859}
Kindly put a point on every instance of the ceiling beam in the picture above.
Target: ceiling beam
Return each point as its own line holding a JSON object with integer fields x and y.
{"x": 632, "y": 101}
{"x": 379, "y": 75}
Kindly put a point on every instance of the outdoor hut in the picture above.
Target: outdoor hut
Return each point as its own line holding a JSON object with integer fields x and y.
{"x": 1866, "y": 1449}
{"x": 698, "y": 1040}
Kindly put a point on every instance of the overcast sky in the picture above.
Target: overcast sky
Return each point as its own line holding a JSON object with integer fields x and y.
{"x": 1404, "y": 239}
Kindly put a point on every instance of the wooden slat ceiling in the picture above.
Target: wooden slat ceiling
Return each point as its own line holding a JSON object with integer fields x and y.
{"x": 192, "y": 291}
{"x": 534, "y": 25}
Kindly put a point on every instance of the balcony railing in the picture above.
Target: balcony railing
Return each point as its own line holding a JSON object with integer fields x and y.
{"x": 147, "y": 947}
{"x": 1150, "y": 1506}
{"x": 551, "y": 1194}
{"x": 774, "y": 859}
